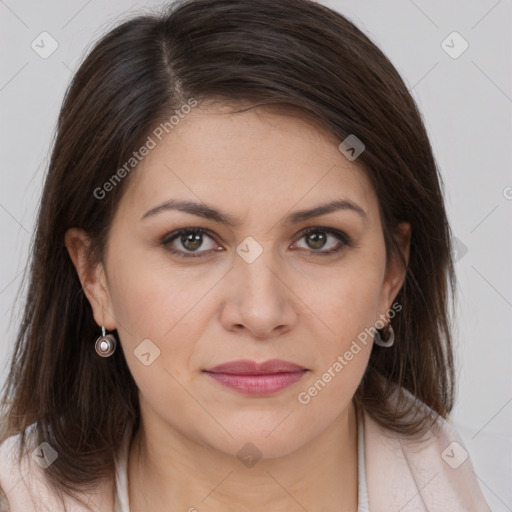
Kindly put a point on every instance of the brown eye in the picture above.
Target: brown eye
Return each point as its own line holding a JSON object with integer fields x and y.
{"x": 185, "y": 242}
{"x": 317, "y": 240}
{"x": 191, "y": 241}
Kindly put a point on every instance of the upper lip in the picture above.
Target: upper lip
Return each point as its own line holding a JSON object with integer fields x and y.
{"x": 247, "y": 367}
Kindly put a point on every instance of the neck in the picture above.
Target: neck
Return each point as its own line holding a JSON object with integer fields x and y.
{"x": 167, "y": 468}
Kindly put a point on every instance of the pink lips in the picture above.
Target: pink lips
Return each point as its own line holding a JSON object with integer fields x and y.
{"x": 257, "y": 379}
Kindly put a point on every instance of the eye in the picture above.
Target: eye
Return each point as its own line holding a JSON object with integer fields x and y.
{"x": 190, "y": 240}
{"x": 187, "y": 242}
{"x": 317, "y": 238}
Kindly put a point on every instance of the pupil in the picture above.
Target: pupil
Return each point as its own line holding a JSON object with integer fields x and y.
{"x": 318, "y": 240}
{"x": 193, "y": 239}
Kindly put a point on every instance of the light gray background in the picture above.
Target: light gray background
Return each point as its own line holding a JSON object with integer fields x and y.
{"x": 466, "y": 103}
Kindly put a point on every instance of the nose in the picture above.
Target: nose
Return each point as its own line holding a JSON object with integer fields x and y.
{"x": 258, "y": 300}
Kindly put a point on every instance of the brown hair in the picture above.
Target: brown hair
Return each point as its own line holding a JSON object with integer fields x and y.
{"x": 292, "y": 53}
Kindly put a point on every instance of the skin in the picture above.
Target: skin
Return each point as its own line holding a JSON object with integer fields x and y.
{"x": 290, "y": 303}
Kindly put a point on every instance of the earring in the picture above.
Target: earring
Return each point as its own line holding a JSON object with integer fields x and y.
{"x": 390, "y": 338}
{"x": 105, "y": 344}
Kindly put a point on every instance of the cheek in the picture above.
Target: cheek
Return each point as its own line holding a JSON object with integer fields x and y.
{"x": 151, "y": 311}
{"x": 329, "y": 391}
{"x": 344, "y": 310}
{"x": 342, "y": 353}
{"x": 347, "y": 302}
{"x": 153, "y": 299}
{"x": 151, "y": 295}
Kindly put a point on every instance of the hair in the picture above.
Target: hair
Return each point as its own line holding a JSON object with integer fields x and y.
{"x": 294, "y": 54}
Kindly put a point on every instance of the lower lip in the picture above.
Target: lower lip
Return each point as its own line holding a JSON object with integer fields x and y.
{"x": 257, "y": 385}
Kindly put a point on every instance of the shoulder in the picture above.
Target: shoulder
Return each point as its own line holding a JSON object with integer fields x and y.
{"x": 433, "y": 472}
{"x": 24, "y": 483}
{"x": 22, "y": 476}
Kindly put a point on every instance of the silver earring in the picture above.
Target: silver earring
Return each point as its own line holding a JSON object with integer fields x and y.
{"x": 105, "y": 344}
{"x": 390, "y": 338}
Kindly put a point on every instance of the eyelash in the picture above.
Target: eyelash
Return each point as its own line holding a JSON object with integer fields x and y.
{"x": 169, "y": 238}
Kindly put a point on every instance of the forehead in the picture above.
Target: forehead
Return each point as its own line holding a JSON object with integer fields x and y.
{"x": 258, "y": 159}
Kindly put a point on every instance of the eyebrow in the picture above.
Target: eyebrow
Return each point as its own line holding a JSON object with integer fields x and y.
{"x": 208, "y": 212}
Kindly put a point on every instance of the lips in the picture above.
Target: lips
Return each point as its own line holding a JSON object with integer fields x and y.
{"x": 246, "y": 367}
{"x": 257, "y": 379}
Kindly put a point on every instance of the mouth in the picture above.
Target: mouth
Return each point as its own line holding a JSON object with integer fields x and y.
{"x": 257, "y": 379}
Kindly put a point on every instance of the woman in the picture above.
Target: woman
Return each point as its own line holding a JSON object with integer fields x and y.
{"x": 241, "y": 198}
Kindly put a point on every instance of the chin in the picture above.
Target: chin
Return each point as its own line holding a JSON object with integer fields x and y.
{"x": 262, "y": 441}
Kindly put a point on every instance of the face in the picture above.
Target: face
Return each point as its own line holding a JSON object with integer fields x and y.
{"x": 268, "y": 284}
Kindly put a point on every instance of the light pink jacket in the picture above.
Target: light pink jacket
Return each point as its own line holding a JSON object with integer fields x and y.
{"x": 434, "y": 475}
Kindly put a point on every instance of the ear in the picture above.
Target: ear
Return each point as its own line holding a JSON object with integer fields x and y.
{"x": 92, "y": 277}
{"x": 396, "y": 271}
